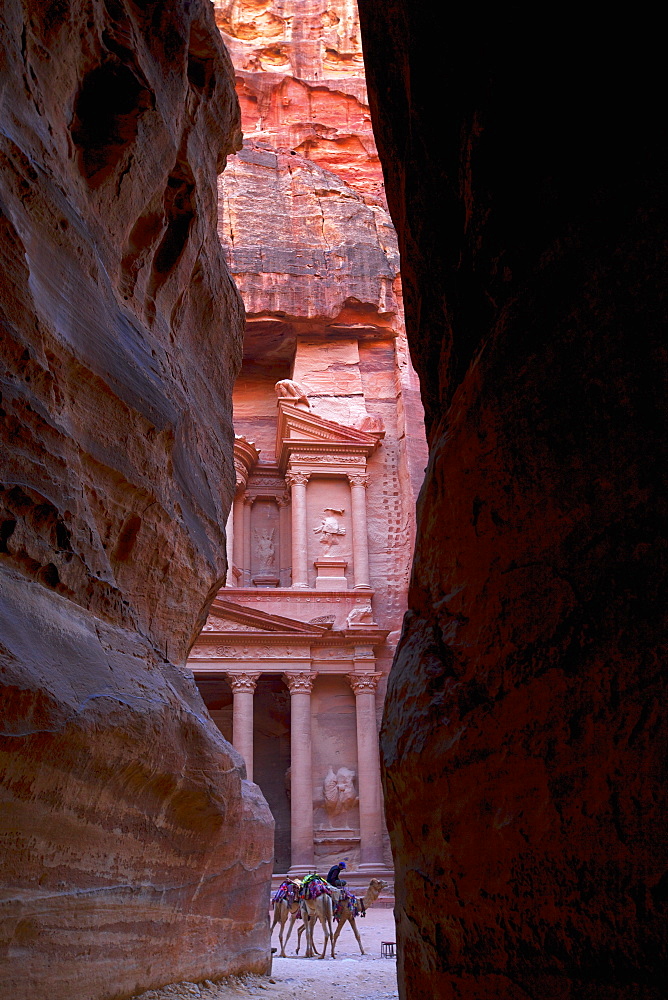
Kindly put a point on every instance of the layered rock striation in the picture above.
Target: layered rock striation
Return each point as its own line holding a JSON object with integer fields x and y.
{"x": 524, "y": 736}
{"x": 305, "y": 246}
{"x": 134, "y": 853}
{"x": 301, "y": 84}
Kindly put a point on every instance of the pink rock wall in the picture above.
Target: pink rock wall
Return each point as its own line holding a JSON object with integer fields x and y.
{"x": 524, "y": 735}
{"x": 314, "y": 253}
{"x": 303, "y": 244}
{"x": 128, "y": 834}
{"x": 301, "y": 86}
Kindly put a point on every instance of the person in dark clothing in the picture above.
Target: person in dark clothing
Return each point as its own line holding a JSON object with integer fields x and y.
{"x": 333, "y": 875}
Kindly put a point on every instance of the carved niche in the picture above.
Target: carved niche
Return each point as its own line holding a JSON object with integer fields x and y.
{"x": 265, "y": 540}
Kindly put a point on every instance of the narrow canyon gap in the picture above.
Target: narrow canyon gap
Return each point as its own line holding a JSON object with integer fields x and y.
{"x": 523, "y": 743}
{"x": 134, "y": 853}
{"x": 293, "y": 659}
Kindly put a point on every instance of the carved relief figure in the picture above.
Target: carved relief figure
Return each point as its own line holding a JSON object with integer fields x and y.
{"x": 287, "y": 388}
{"x": 329, "y": 528}
{"x": 265, "y": 548}
{"x": 339, "y": 791}
{"x": 360, "y": 616}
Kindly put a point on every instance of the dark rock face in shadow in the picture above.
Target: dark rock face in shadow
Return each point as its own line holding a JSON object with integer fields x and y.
{"x": 133, "y": 851}
{"x": 524, "y": 736}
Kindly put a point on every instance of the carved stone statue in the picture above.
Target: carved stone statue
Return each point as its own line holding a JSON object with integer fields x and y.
{"x": 265, "y": 548}
{"x": 339, "y": 791}
{"x": 371, "y": 423}
{"x": 362, "y": 615}
{"x": 329, "y": 528}
{"x": 287, "y": 388}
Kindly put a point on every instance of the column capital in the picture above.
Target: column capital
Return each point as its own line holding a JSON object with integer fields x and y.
{"x": 299, "y": 682}
{"x": 297, "y": 478}
{"x": 240, "y": 473}
{"x": 358, "y": 479}
{"x": 243, "y": 681}
{"x": 249, "y": 498}
{"x": 283, "y": 499}
{"x": 363, "y": 683}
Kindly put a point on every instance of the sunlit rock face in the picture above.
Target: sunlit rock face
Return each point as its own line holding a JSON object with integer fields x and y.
{"x": 524, "y": 734}
{"x": 301, "y": 85}
{"x": 303, "y": 244}
{"x": 133, "y": 851}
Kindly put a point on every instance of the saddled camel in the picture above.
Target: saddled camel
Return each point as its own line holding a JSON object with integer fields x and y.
{"x": 346, "y": 913}
{"x": 284, "y": 911}
{"x": 321, "y": 908}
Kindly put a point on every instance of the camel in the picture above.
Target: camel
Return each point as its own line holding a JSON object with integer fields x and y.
{"x": 321, "y": 909}
{"x": 284, "y": 911}
{"x": 346, "y": 914}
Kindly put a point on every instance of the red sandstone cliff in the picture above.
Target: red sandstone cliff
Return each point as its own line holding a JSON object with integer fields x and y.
{"x": 524, "y": 737}
{"x": 312, "y": 248}
{"x": 306, "y": 247}
{"x": 133, "y": 853}
{"x": 301, "y": 86}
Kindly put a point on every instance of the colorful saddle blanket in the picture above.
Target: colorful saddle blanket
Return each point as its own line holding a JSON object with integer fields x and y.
{"x": 355, "y": 904}
{"x": 288, "y": 891}
{"x": 314, "y": 886}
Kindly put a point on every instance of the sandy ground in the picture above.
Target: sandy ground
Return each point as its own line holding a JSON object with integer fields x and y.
{"x": 350, "y": 975}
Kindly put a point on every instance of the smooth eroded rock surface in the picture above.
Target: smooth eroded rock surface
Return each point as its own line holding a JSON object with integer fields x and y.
{"x": 133, "y": 852}
{"x": 524, "y": 735}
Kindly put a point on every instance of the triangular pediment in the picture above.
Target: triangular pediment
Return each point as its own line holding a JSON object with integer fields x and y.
{"x": 301, "y": 428}
{"x": 228, "y": 617}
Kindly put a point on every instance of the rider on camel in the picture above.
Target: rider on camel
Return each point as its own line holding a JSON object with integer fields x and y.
{"x": 333, "y": 875}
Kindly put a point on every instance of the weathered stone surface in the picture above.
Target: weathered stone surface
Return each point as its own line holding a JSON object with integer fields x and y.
{"x": 301, "y": 86}
{"x": 524, "y": 735}
{"x": 302, "y": 243}
{"x": 133, "y": 852}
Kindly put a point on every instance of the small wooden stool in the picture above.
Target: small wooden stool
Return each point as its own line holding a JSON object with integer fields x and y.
{"x": 387, "y": 949}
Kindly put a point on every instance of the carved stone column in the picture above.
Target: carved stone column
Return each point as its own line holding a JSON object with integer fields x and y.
{"x": 229, "y": 548}
{"x": 284, "y": 573}
{"x": 368, "y": 770}
{"x": 248, "y": 506}
{"x": 243, "y": 687}
{"x": 297, "y": 482}
{"x": 239, "y": 509}
{"x": 358, "y": 485}
{"x": 300, "y": 684}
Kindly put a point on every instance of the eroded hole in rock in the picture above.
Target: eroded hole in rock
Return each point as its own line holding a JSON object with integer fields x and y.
{"x": 179, "y": 209}
{"x": 202, "y": 59}
{"x": 127, "y": 537}
{"x": 107, "y": 111}
{"x": 6, "y": 531}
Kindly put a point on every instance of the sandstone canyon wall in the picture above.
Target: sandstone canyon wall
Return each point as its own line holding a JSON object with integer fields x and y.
{"x": 134, "y": 853}
{"x": 524, "y": 737}
{"x": 301, "y": 84}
